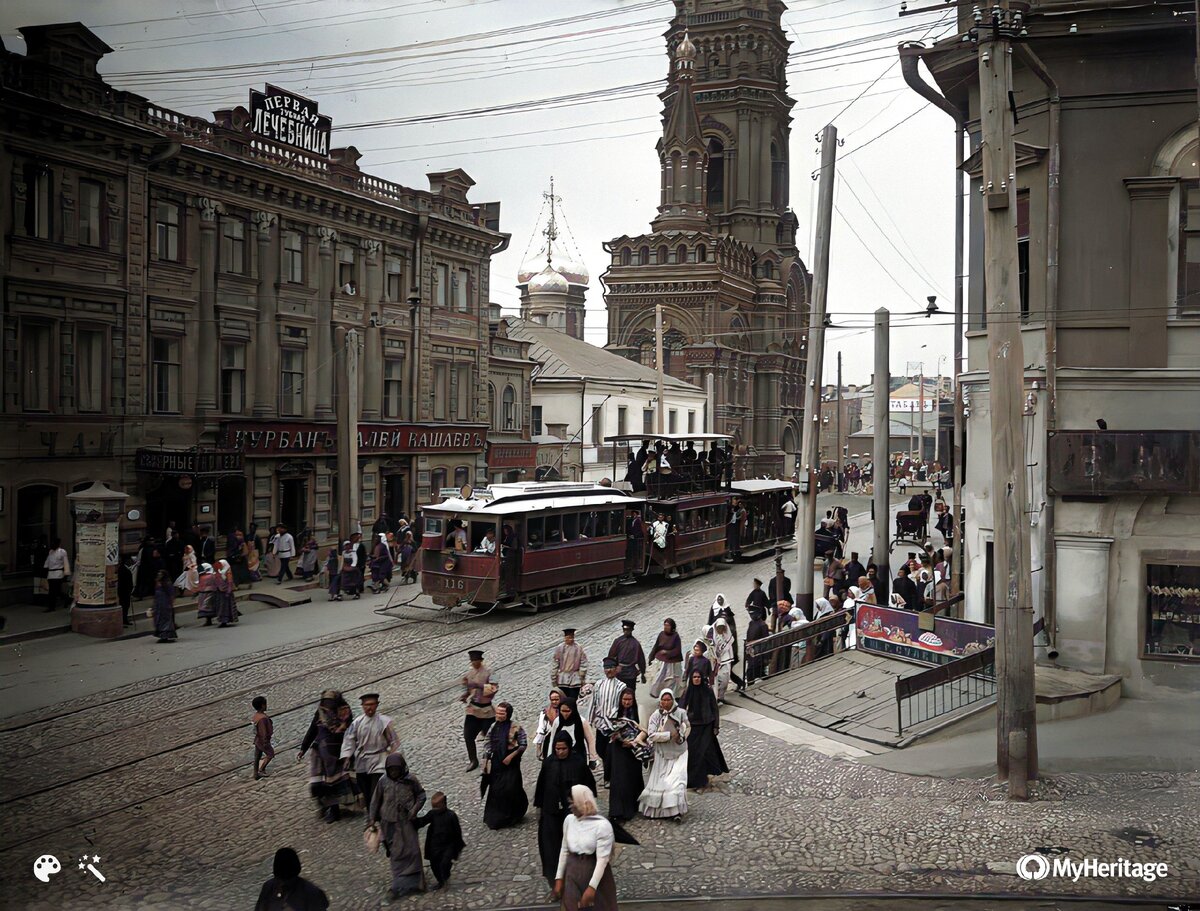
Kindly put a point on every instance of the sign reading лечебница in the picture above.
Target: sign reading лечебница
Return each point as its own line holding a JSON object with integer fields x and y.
{"x": 290, "y": 119}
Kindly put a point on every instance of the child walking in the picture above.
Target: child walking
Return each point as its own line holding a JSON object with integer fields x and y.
{"x": 264, "y": 730}
{"x": 443, "y": 841}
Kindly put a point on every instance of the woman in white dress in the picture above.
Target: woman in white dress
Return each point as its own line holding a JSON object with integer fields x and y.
{"x": 665, "y": 796}
{"x": 722, "y": 640}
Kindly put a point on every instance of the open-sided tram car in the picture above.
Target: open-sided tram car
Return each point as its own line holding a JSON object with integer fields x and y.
{"x": 765, "y": 528}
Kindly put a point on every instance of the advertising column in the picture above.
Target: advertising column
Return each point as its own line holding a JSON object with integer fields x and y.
{"x": 97, "y": 513}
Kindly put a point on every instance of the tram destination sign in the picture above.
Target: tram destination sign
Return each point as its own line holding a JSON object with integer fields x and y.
{"x": 305, "y": 439}
{"x": 290, "y": 119}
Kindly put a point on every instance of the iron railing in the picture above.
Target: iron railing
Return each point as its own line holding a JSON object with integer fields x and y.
{"x": 945, "y": 688}
{"x": 776, "y": 653}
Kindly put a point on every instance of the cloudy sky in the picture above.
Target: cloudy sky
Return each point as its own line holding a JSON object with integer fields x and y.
{"x": 514, "y": 91}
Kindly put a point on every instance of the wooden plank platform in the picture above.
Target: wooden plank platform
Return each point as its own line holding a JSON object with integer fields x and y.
{"x": 853, "y": 693}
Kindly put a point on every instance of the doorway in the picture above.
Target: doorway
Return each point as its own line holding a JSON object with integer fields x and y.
{"x": 293, "y": 505}
{"x": 37, "y": 523}
{"x": 394, "y": 486}
{"x": 169, "y": 502}
{"x": 231, "y": 504}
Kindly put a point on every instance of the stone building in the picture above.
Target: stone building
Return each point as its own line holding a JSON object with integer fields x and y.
{"x": 174, "y": 289}
{"x": 721, "y": 253}
{"x": 1107, "y": 221}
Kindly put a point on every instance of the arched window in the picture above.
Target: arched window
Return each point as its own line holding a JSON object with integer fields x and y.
{"x": 716, "y": 174}
{"x": 695, "y": 179}
{"x": 662, "y": 256}
{"x": 701, "y": 254}
{"x": 646, "y": 353}
{"x": 768, "y": 269}
{"x": 681, "y": 254}
{"x": 644, "y": 256}
{"x": 495, "y": 418}
{"x": 779, "y": 190}
{"x": 510, "y": 408}
{"x": 672, "y": 349}
{"x": 626, "y": 256}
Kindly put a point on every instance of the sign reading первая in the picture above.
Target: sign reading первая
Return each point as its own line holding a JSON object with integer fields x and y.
{"x": 291, "y": 119}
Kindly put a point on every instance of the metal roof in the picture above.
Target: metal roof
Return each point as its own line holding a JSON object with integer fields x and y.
{"x": 669, "y": 437}
{"x": 520, "y": 505}
{"x": 757, "y": 485}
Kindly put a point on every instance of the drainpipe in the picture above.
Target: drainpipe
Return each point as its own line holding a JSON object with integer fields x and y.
{"x": 910, "y": 56}
{"x": 1053, "y": 181}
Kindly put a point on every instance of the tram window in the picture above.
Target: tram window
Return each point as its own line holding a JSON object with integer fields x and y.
{"x": 433, "y": 526}
{"x": 554, "y": 529}
{"x": 600, "y": 524}
{"x": 616, "y": 522}
{"x": 535, "y": 532}
{"x": 478, "y": 530}
{"x": 570, "y": 526}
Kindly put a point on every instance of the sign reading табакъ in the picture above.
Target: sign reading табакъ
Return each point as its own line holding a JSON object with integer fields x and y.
{"x": 290, "y": 119}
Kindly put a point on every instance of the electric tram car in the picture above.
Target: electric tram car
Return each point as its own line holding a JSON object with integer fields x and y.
{"x": 533, "y": 545}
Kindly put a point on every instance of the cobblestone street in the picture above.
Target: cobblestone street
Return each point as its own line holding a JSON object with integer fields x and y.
{"x": 155, "y": 778}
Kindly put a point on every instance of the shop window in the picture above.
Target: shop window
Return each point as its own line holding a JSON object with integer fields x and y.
{"x": 622, "y": 419}
{"x": 90, "y": 364}
{"x": 233, "y": 378}
{"x": 1189, "y": 249}
{"x": 441, "y": 289}
{"x": 165, "y": 360}
{"x": 510, "y": 408}
{"x": 395, "y": 279}
{"x": 393, "y": 387}
{"x": 1173, "y": 612}
{"x": 462, "y": 287}
{"x": 462, "y": 476}
{"x": 291, "y": 382}
{"x": 166, "y": 231}
{"x": 466, "y": 393}
{"x": 39, "y": 207}
{"x": 437, "y": 483}
{"x": 233, "y": 246}
{"x": 536, "y": 420}
{"x": 535, "y": 532}
{"x": 37, "y": 365}
{"x": 441, "y": 391}
{"x": 90, "y": 209}
{"x": 292, "y": 266}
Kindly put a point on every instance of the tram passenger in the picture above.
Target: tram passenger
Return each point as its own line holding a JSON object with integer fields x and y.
{"x": 735, "y": 527}
{"x": 635, "y": 544}
{"x": 456, "y": 538}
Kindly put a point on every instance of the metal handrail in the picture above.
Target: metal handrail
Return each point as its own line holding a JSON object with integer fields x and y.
{"x": 979, "y": 667}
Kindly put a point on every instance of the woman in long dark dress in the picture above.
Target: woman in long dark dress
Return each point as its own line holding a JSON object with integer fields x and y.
{"x": 625, "y": 781}
{"x": 506, "y": 799}
{"x": 552, "y": 795}
{"x": 583, "y": 735}
{"x": 330, "y": 781}
{"x": 758, "y": 629}
{"x": 397, "y": 800}
{"x": 164, "y": 609}
{"x": 704, "y": 752}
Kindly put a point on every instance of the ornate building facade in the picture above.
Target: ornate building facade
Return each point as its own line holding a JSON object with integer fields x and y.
{"x": 721, "y": 253}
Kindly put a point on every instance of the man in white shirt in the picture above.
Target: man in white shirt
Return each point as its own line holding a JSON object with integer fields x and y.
{"x": 789, "y": 515}
{"x": 369, "y": 741}
{"x": 58, "y": 568}
{"x": 488, "y": 544}
{"x": 284, "y": 546}
{"x": 570, "y": 666}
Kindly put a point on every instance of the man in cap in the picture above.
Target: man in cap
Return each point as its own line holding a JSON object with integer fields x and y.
{"x": 570, "y": 666}
{"x": 369, "y": 741}
{"x": 479, "y": 687}
{"x": 629, "y": 655}
{"x": 606, "y": 703}
{"x": 757, "y": 598}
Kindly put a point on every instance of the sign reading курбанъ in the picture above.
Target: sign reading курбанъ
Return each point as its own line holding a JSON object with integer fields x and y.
{"x": 290, "y": 119}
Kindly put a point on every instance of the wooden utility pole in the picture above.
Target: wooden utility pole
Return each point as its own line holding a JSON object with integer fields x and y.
{"x": 811, "y": 436}
{"x": 660, "y": 423}
{"x": 347, "y": 444}
{"x": 880, "y": 442}
{"x": 1015, "y": 708}
{"x": 921, "y": 410}
{"x": 838, "y": 423}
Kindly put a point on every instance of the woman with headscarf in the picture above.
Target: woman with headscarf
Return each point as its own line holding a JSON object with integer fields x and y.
{"x": 330, "y": 781}
{"x": 704, "y": 752}
{"x": 164, "y": 609}
{"x": 625, "y": 781}
{"x": 561, "y": 771}
{"x": 722, "y": 641}
{"x": 253, "y": 570}
{"x": 395, "y": 803}
{"x": 542, "y": 740}
{"x": 189, "y": 579}
{"x": 235, "y": 553}
{"x": 582, "y": 735}
{"x": 333, "y": 574}
{"x": 349, "y": 570}
{"x": 584, "y": 877}
{"x": 208, "y": 601}
{"x": 698, "y": 660}
{"x": 408, "y": 553}
{"x": 306, "y": 566}
{"x": 665, "y": 794}
{"x": 506, "y": 799}
{"x": 287, "y": 890}
{"x": 822, "y": 646}
{"x": 381, "y": 565}
{"x": 227, "y": 611}
{"x": 668, "y": 649}
{"x": 758, "y": 629}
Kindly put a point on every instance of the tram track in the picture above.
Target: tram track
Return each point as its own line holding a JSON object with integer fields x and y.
{"x": 30, "y": 806}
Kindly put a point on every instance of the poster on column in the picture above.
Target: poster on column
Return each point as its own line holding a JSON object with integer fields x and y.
{"x": 91, "y": 546}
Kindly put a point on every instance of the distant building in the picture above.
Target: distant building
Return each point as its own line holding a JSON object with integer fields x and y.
{"x": 1112, "y": 382}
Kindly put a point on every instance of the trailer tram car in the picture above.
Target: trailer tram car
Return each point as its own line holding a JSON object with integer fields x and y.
{"x": 560, "y": 542}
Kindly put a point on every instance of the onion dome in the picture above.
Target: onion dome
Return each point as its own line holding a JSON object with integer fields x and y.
{"x": 548, "y": 281}
{"x": 686, "y": 49}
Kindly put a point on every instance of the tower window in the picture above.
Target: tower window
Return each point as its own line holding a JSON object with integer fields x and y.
{"x": 779, "y": 189}
{"x": 716, "y": 174}
{"x": 644, "y": 256}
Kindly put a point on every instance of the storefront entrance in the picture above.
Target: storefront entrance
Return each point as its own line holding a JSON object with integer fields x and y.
{"x": 37, "y": 523}
{"x": 231, "y": 504}
{"x": 394, "y": 487}
{"x": 170, "y": 502}
{"x": 293, "y": 504}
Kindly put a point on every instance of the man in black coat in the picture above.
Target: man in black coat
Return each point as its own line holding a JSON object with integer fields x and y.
{"x": 774, "y": 597}
{"x": 907, "y": 589}
{"x": 206, "y": 550}
{"x": 443, "y": 841}
{"x": 560, "y": 772}
{"x": 854, "y": 569}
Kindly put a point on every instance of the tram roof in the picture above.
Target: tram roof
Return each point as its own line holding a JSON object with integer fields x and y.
{"x": 669, "y": 437}
{"x": 533, "y": 496}
{"x": 760, "y": 485}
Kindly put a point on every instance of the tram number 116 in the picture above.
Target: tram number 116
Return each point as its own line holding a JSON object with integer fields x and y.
{"x": 454, "y": 584}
